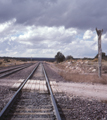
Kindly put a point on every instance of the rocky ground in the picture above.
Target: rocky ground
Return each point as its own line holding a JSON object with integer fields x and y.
{"x": 82, "y": 66}
{"x": 6, "y": 83}
{"x": 78, "y": 106}
{"x": 5, "y": 95}
{"x": 81, "y": 71}
{"x": 70, "y": 106}
{"x": 75, "y": 108}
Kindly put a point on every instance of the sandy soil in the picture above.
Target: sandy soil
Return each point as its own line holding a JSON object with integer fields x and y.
{"x": 96, "y": 91}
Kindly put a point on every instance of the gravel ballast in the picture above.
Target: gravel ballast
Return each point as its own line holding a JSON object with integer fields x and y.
{"x": 5, "y": 96}
{"x": 70, "y": 107}
{"x": 77, "y": 108}
{"x": 5, "y": 91}
{"x": 22, "y": 74}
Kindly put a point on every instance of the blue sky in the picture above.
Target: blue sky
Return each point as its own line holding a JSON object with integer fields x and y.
{"x": 41, "y": 28}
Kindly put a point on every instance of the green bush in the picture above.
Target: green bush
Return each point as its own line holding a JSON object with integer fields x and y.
{"x": 69, "y": 57}
{"x": 59, "y": 57}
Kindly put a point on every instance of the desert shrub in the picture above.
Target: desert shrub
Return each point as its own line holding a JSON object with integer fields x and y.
{"x": 6, "y": 59}
{"x": 103, "y": 55}
{"x": 69, "y": 57}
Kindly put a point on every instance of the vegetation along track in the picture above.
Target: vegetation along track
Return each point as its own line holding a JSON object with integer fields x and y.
{"x": 11, "y": 70}
{"x": 33, "y": 100}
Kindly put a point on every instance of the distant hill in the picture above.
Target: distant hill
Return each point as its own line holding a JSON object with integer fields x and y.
{"x": 30, "y": 59}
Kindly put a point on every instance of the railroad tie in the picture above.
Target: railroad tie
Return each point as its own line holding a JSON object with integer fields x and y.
{"x": 17, "y": 84}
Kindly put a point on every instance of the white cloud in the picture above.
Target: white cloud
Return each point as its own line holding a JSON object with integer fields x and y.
{"x": 26, "y": 42}
{"x": 6, "y": 25}
{"x": 68, "y": 26}
{"x": 95, "y": 38}
{"x": 104, "y": 37}
{"x": 48, "y": 40}
{"x": 44, "y": 41}
{"x": 88, "y": 34}
{"x": 15, "y": 53}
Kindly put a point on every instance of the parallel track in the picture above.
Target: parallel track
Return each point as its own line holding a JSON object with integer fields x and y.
{"x": 32, "y": 105}
{"x": 2, "y": 70}
{"x": 9, "y": 71}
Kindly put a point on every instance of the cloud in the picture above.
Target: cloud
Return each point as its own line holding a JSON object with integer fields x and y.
{"x": 24, "y": 40}
{"x": 88, "y": 34}
{"x": 21, "y": 40}
{"x": 43, "y": 27}
{"x": 6, "y": 25}
{"x": 80, "y": 14}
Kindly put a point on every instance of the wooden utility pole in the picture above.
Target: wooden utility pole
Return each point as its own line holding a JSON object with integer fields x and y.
{"x": 99, "y": 33}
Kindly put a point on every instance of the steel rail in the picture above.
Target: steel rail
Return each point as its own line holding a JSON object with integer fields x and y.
{"x": 5, "y": 74}
{"x": 5, "y": 109}
{"x": 19, "y": 66}
{"x": 52, "y": 96}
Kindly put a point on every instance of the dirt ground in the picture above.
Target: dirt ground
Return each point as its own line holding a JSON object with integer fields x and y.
{"x": 12, "y": 62}
{"x": 80, "y": 100}
{"x": 79, "y": 83}
{"x": 81, "y": 71}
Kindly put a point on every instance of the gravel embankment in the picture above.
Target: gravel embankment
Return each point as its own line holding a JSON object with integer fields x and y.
{"x": 76, "y": 108}
{"x": 5, "y": 95}
{"x": 70, "y": 107}
{"x": 52, "y": 74}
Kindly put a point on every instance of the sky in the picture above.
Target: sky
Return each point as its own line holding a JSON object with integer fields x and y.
{"x": 41, "y": 28}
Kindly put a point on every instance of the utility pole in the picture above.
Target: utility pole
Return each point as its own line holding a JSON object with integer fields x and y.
{"x": 99, "y": 33}
{"x": 31, "y": 58}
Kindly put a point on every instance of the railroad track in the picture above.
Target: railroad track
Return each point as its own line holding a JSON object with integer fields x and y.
{"x": 2, "y": 70}
{"x": 33, "y": 99}
{"x": 6, "y": 72}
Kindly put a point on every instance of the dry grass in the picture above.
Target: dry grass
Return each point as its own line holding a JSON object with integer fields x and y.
{"x": 104, "y": 101}
{"x": 12, "y": 62}
{"x": 88, "y": 78}
{"x": 85, "y": 75}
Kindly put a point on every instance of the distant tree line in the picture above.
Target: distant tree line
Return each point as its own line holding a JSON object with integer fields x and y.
{"x": 59, "y": 57}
